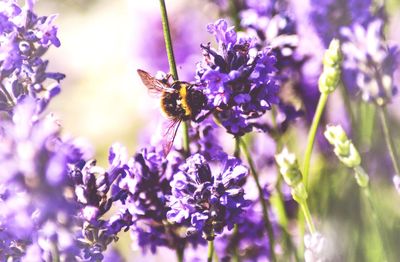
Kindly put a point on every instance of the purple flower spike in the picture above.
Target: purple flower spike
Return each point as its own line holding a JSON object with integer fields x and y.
{"x": 329, "y": 16}
{"x": 143, "y": 192}
{"x": 34, "y": 176}
{"x": 369, "y": 63}
{"x": 223, "y": 34}
{"x": 25, "y": 38}
{"x": 210, "y": 201}
{"x": 238, "y": 80}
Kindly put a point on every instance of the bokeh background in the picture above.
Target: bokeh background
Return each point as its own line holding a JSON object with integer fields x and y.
{"x": 104, "y": 42}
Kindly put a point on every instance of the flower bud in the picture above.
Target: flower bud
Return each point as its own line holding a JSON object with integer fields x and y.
{"x": 333, "y": 55}
{"x": 335, "y": 133}
{"x": 348, "y": 154}
{"x": 328, "y": 80}
{"x": 289, "y": 168}
{"x": 330, "y": 76}
{"x": 362, "y": 177}
{"x": 299, "y": 193}
{"x": 343, "y": 147}
{"x": 314, "y": 247}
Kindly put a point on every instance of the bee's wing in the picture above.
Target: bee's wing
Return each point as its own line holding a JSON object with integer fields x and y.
{"x": 168, "y": 133}
{"x": 154, "y": 86}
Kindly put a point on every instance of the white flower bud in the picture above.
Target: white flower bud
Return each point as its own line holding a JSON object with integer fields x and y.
{"x": 343, "y": 147}
{"x": 314, "y": 245}
{"x": 289, "y": 167}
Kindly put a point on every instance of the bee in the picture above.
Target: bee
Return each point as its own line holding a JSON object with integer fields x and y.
{"x": 179, "y": 102}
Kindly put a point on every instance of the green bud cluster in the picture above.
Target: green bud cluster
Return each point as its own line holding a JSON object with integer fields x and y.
{"x": 343, "y": 147}
{"x": 289, "y": 168}
{"x": 330, "y": 76}
{"x": 346, "y": 152}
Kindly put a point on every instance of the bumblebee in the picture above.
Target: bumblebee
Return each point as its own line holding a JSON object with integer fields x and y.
{"x": 179, "y": 101}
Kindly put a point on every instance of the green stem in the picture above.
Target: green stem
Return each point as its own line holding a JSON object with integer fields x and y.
{"x": 172, "y": 68}
{"x": 210, "y": 251}
{"x": 168, "y": 42}
{"x": 267, "y": 222}
{"x": 302, "y": 230}
{"x": 273, "y": 118}
{"x": 389, "y": 139}
{"x": 236, "y": 257}
{"x": 179, "y": 254}
{"x": 277, "y": 199}
{"x": 367, "y": 124}
{"x": 237, "y": 147}
{"x": 307, "y": 216}
{"x": 311, "y": 136}
{"x": 55, "y": 254}
{"x": 279, "y": 205}
{"x": 186, "y": 140}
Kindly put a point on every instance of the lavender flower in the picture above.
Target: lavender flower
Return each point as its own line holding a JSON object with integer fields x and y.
{"x": 24, "y": 39}
{"x": 238, "y": 80}
{"x": 369, "y": 62}
{"x": 34, "y": 185}
{"x": 274, "y": 27}
{"x": 92, "y": 185}
{"x": 143, "y": 192}
{"x": 210, "y": 201}
{"x": 329, "y": 16}
{"x": 52, "y": 198}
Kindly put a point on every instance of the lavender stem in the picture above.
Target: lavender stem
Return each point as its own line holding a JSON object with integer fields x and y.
{"x": 389, "y": 139}
{"x": 172, "y": 67}
{"x": 168, "y": 42}
{"x": 210, "y": 251}
{"x": 267, "y": 222}
{"x": 311, "y": 136}
{"x": 179, "y": 254}
{"x": 174, "y": 72}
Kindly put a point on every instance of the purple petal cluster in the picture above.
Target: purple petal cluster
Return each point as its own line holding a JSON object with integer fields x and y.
{"x": 369, "y": 63}
{"x": 328, "y": 16}
{"x": 35, "y": 189}
{"x": 143, "y": 192}
{"x": 238, "y": 80}
{"x": 24, "y": 39}
{"x": 274, "y": 26}
{"x": 209, "y": 201}
{"x": 92, "y": 186}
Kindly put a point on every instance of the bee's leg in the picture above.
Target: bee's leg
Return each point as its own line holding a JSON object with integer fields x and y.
{"x": 168, "y": 76}
{"x": 198, "y": 83}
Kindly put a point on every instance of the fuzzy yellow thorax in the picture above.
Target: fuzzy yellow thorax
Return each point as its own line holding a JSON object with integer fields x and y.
{"x": 183, "y": 95}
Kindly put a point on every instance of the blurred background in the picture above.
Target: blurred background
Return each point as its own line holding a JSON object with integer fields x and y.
{"x": 103, "y": 43}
